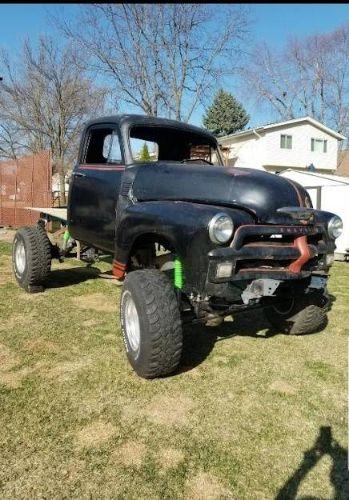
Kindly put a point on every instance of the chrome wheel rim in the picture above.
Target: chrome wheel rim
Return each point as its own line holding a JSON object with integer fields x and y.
{"x": 132, "y": 327}
{"x": 20, "y": 257}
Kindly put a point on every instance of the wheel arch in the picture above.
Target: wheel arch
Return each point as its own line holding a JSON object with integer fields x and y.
{"x": 149, "y": 223}
{"x": 182, "y": 225}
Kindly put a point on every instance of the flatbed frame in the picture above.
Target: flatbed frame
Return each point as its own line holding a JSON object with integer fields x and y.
{"x": 52, "y": 213}
{"x": 55, "y": 214}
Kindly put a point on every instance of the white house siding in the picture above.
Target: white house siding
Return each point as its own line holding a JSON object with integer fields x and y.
{"x": 300, "y": 156}
{"x": 262, "y": 149}
{"x": 249, "y": 152}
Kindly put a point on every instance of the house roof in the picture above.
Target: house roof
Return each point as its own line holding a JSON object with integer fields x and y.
{"x": 257, "y": 130}
{"x": 314, "y": 178}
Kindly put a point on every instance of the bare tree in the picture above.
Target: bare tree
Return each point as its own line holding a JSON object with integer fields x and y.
{"x": 271, "y": 79}
{"x": 11, "y": 141}
{"x": 44, "y": 100}
{"x": 309, "y": 77}
{"x": 160, "y": 58}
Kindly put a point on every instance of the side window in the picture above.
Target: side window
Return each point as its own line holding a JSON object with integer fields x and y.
{"x": 102, "y": 147}
{"x": 97, "y": 145}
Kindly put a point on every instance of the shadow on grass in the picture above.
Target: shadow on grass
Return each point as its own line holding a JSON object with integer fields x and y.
{"x": 323, "y": 445}
{"x": 199, "y": 340}
{"x": 60, "y": 278}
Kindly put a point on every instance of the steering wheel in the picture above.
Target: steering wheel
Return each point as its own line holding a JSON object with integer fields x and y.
{"x": 196, "y": 159}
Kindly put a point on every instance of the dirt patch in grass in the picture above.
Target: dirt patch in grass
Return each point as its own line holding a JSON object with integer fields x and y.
{"x": 96, "y": 301}
{"x": 283, "y": 387}
{"x": 205, "y": 486}
{"x": 170, "y": 458}
{"x": 66, "y": 370}
{"x": 95, "y": 434}
{"x": 6, "y": 262}
{"x": 13, "y": 380}
{"x": 88, "y": 323}
{"x": 30, "y": 296}
{"x": 16, "y": 321}
{"x": 131, "y": 454}
{"x": 41, "y": 345}
{"x": 7, "y": 358}
{"x": 6, "y": 274}
{"x": 5, "y": 278}
{"x": 169, "y": 410}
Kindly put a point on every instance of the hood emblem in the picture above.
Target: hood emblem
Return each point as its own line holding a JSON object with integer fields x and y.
{"x": 302, "y": 215}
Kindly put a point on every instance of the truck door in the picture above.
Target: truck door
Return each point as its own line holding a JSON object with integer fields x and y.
{"x": 95, "y": 188}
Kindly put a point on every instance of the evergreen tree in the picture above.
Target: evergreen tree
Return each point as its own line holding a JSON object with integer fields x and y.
{"x": 226, "y": 115}
{"x": 145, "y": 156}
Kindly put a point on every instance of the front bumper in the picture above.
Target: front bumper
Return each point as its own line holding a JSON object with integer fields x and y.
{"x": 277, "y": 251}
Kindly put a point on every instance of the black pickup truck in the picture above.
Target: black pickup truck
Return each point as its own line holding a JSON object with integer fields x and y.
{"x": 191, "y": 239}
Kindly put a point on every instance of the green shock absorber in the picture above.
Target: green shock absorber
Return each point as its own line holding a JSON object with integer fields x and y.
{"x": 66, "y": 237}
{"x": 178, "y": 274}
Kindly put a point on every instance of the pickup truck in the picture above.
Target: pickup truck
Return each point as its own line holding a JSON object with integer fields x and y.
{"x": 191, "y": 240}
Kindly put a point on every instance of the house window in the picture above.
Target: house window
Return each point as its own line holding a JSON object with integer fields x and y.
{"x": 319, "y": 145}
{"x": 286, "y": 141}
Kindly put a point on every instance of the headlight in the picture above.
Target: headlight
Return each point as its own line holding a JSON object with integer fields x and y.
{"x": 220, "y": 228}
{"x": 335, "y": 227}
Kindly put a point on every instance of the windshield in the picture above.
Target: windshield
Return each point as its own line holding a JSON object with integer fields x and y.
{"x": 154, "y": 143}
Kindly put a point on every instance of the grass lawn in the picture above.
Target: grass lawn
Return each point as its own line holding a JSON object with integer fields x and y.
{"x": 250, "y": 414}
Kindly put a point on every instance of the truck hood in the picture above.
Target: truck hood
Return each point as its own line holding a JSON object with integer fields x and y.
{"x": 255, "y": 191}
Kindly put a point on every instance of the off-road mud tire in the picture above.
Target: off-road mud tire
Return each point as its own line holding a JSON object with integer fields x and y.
{"x": 160, "y": 329}
{"x": 307, "y": 315}
{"x": 37, "y": 258}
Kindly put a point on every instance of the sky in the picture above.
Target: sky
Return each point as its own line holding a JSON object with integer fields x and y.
{"x": 272, "y": 23}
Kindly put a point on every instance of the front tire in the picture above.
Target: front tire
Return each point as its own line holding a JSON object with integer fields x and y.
{"x": 298, "y": 316}
{"x": 151, "y": 323}
{"x": 31, "y": 258}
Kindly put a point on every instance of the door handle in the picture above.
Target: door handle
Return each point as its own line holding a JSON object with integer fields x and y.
{"x": 79, "y": 174}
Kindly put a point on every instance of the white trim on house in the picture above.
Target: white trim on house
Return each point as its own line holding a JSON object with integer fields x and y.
{"x": 257, "y": 130}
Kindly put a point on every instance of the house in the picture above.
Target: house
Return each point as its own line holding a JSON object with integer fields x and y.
{"x": 330, "y": 193}
{"x": 301, "y": 144}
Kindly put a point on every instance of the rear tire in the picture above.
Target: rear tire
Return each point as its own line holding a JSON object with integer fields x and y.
{"x": 31, "y": 258}
{"x": 298, "y": 316}
{"x": 151, "y": 323}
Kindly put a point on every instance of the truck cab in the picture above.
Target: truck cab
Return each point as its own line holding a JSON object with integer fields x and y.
{"x": 109, "y": 160}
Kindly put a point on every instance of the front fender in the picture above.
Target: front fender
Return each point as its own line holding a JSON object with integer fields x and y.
{"x": 183, "y": 224}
